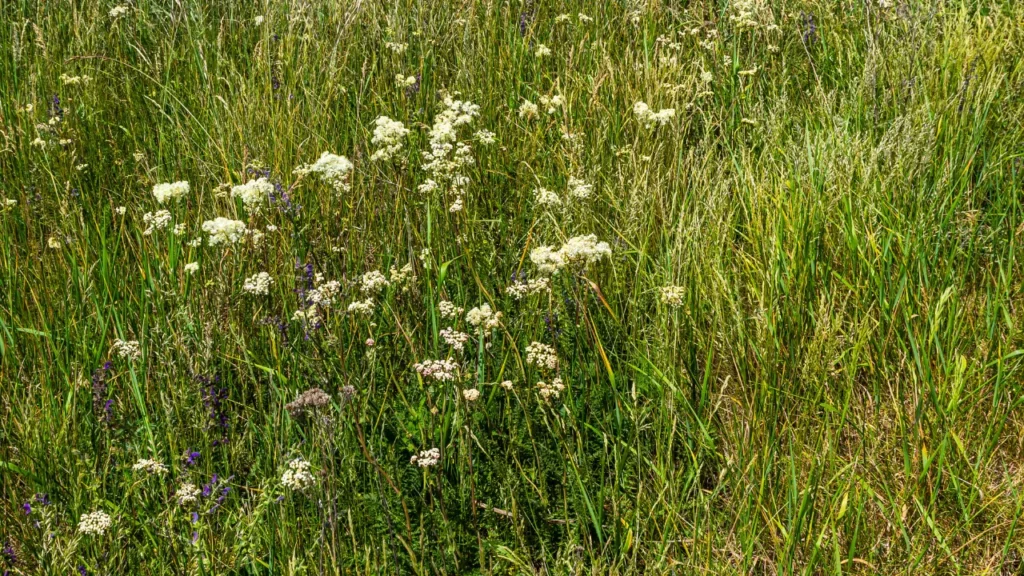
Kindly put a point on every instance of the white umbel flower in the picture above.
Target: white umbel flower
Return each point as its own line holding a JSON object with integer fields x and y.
{"x": 170, "y": 191}
{"x": 94, "y": 523}
{"x": 649, "y": 118}
{"x": 127, "y": 349}
{"x": 224, "y": 230}
{"x": 389, "y": 135}
{"x": 258, "y": 284}
{"x": 440, "y": 370}
{"x": 426, "y": 458}
{"x": 673, "y": 296}
{"x": 335, "y": 170}
{"x": 155, "y": 221}
{"x": 373, "y": 282}
{"x": 298, "y": 476}
{"x": 149, "y": 466}
{"x": 471, "y": 394}
{"x": 253, "y": 193}
{"x": 187, "y": 493}
{"x": 542, "y": 356}
{"x": 579, "y": 189}
{"x": 546, "y": 198}
{"x": 483, "y": 317}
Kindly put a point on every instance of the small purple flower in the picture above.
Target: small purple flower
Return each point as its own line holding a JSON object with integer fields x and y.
{"x": 195, "y": 517}
{"x": 82, "y": 570}
{"x": 9, "y": 554}
{"x": 195, "y": 536}
{"x": 26, "y": 508}
{"x": 191, "y": 458}
{"x": 43, "y": 499}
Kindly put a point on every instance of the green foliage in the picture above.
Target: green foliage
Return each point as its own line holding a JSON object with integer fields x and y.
{"x": 802, "y": 355}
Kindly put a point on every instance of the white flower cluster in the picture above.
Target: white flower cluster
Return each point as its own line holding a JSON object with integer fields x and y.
{"x": 187, "y": 493}
{"x": 485, "y": 137}
{"x": 401, "y": 276}
{"x": 507, "y": 384}
{"x": 521, "y": 289}
{"x": 298, "y": 476}
{"x": 258, "y": 284}
{"x": 546, "y": 198}
{"x": 253, "y": 193}
{"x": 426, "y": 458}
{"x": 440, "y": 370}
{"x": 579, "y": 188}
{"x": 483, "y": 317}
{"x": 325, "y": 293}
{"x": 389, "y": 135}
{"x": 552, "y": 390}
{"x": 542, "y": 51}
{"x": 74, "y": 80}
{"x": 650, "y": 118}
{"x": 192, "y": 267}
{"x": 363, "y": 307}
{"x": 528, "y": 110}
{"x": 335, "y": 170}
{"x": 373, "y": 282}
{"x": 170, "y": 191}
{"x": 118, "y": 11}
{"x": 449, "y": 310}
{"x": 454, "y": 338}
{"x": 127, "y": 349}
{"x": 471, "y": 394}
{"x": 148, "y": 466}
{"x": 155, "y": 221}
{"x": 542, "y": 356}
{"x": 673, "y": 296}
{"x": 95, "y": 523}
{"x": 224, "y": 230}
{"x": 551, "y": 104}
{"x": 447, "y": 155}
{"x": 580, "y": 251}
{"x": 746, "y": 13}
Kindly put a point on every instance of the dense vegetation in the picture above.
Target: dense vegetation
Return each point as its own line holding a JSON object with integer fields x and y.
{"x": 511, "y": 287}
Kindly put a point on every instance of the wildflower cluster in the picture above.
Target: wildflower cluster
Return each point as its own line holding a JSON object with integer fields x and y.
{"x": 579, "y": 251}
{"x": 649, "y": 118}
{"x": 224, "y": 230}
{"x": 127, "y": 349}
{"x": 170, "y": 191}
{"x": 441, "y": 370}
{"x": 550, "y": 390}
{"x": 483, "y": 318}
{"x": 258, "y": 284}
{"x": 673, "y": 296}
{"x": 254, "y": 193}
{"x": 307, "y": 402}
{"x": 335, "y": 170}
{"x": 389, "y": 135}
{"x": 153, "y": 467}
{"x": 448, "y": 156}
{"x": 542, "y": 356}
{"x": 155, "y": 221}
{"x": 520, "y": 289}
{"x": 426, "y": 458}
{"x": 297, "y": 476}
{"x": 95, "y": 523}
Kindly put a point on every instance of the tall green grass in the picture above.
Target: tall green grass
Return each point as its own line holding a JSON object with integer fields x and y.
{"x": 838, "y": 199}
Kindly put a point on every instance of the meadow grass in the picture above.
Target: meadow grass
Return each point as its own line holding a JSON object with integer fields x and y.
{"x": 792, "y": 345}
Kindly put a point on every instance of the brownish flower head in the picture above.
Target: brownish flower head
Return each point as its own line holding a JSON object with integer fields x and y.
{"x": 309, "y": 401}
